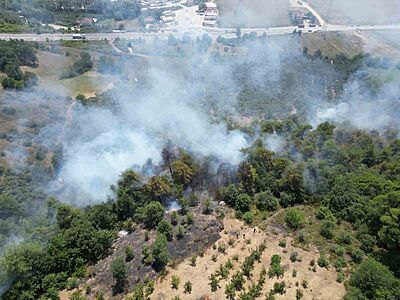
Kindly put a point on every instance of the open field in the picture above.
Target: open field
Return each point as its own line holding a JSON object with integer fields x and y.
{"x": 333, "y": 43}
{"x": 321, "y": 283}
{"x": 50, "y": 68}
{"x": 359, "y": 12}
{"x": 254, "y": 13}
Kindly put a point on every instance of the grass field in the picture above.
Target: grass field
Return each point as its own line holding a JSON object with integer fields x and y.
{"x": 254, "y": 13}
{"x": 332, "y": 43}
{"x": 359, "y": 11}
{"x": 51, "y": 66}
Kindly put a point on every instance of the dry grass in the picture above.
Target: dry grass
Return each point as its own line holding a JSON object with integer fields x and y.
{"x": 332, "y": 43}
{"x": 50, "y": 68}
{"x": 254, "y": 13}
{"x": 321, "y": 284}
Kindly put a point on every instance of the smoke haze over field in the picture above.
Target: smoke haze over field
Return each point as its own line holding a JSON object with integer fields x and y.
{"x": 359, "y": 11}
{"x": 254, "y": 13}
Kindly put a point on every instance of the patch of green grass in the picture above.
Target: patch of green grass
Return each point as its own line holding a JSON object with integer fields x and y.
{"x": 98, "y": 46}
{"x": 12, "y": 28}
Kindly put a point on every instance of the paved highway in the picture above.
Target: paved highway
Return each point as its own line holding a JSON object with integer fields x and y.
{"x": 194, "y": 32}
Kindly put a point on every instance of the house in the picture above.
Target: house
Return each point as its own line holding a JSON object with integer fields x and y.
{"x": 85, "y": 22}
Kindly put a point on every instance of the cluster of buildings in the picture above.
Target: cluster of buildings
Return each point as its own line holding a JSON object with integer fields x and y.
{"x": 156, "y": 4}
{"x": 211, "y": 13}
{"x": 302, "y": 18}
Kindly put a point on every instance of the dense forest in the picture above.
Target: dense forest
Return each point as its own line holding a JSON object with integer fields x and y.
{"x": 14, "y": 54}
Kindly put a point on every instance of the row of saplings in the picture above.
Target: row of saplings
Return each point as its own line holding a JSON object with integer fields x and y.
{"x": 236, "y": 286}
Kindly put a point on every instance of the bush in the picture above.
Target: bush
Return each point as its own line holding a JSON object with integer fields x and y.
{"x": 345, "y": 238}
{"x": 187, "y": 287}
{"x": 294, "y": 218}
{"x": 323, "y": 262}
{"x": 280, "y": 288}
{"x": 323, "y": 213}
{"x": 293, "y": 256}
{"x": 129, "y": 253}
{"x": 120, "y": 275}
{"x": 72, "y": 283}
{"x": 282, "y": 243}
{"x": 357, "y": 255}
{"x": 327, "y": 229}
{"x": 266, "y": 201}
{"x": 175, "y": 281}
{"x": 340, "y": 277}
{"x": 248, "y": 217}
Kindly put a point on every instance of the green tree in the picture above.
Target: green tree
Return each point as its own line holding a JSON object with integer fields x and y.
{"x": 390, "y": 231}
{"x": 129, "y": 255}
{"x": 159, "y": 188}
{"x": 181, "y": 173}
{"x": 175, "y": 281}
{"x": 165, "y": 227}
{"x": 374, "y": 281}
{"x": 187, "y": 287}
{"x": 160, "y": 252}
{"x": 266, "y": 201}
{"x": 230, "y": 291}
{"x": 294, "y": 218}
{"x": 152, "y": 214}
{"x": 120, "y": 275}
{"x": 214, "y": 283}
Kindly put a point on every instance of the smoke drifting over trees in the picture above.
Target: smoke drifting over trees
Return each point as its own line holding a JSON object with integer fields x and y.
{"x": 187, "y": 105}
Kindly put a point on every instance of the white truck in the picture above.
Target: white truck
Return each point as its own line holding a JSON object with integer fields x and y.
{"x": 78, "y": 36}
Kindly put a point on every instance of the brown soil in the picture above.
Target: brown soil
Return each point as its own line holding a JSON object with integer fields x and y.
{"x": 321, "y": 284}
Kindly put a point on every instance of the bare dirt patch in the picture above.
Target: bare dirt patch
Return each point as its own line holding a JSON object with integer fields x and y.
{"x": 321, "y": 284}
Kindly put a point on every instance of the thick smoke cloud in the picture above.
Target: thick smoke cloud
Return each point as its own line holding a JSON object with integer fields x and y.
{"x": 104, "y": 142}
{"x": 181, "y": 103}
{"x": 358, "y": 109}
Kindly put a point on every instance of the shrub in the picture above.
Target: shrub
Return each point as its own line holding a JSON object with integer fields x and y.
{"x": 280, "y": 288}
{"x": 248, "y": 217}
{"x": 193, "y": 261}
{"x": 293, "y": 256}
{"x": 187, "y": 287}
{"x": 175, "y": 281}
{"x": 72, "y": 283}
{"x": 294, "y": 218}
{"x": 266, "y": 201}
{"x": 327, "y": 229}
{"x": 345, "y": 238}
{"x": 174, "y": 218}
{"x": 340, "y": 277}
{"x": 304, "y": 283}
{"x": 129, "y": 253}
{"x": 282, "y": 243}
{"x": 323, "y": 262}
{"x": 299, "y": 294}
{"x": 357, "y": 255}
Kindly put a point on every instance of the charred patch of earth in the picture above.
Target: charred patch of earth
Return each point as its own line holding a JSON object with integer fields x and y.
{"x": 197, "y": 237}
